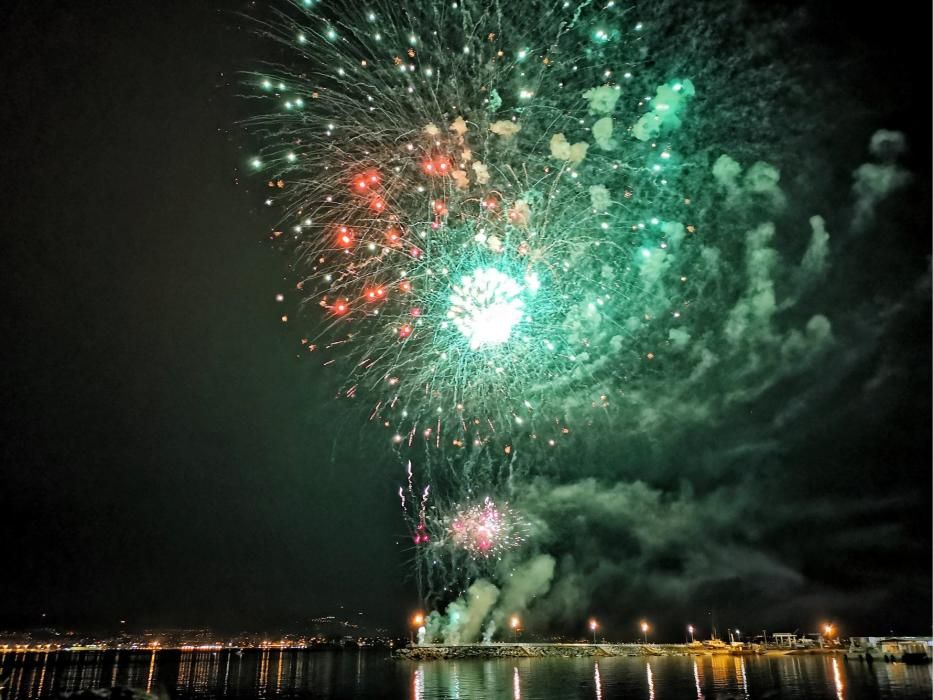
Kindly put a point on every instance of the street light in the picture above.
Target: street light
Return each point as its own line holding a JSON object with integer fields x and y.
{"x": 644, "y": 629}
{"x": 593, "y": 626}
{"x": 416, "y": 621}
{"x": 690, "y": 630}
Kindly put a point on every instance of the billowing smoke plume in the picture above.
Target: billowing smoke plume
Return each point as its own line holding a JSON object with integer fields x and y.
{"x": 483, "y": 609}
{"x": 688, "y": 487}
{"x": 684, "y": 494}
{"x": 875, "y": 181}
{"x": 523, "y": 585}
{"x": 463, "y": 619}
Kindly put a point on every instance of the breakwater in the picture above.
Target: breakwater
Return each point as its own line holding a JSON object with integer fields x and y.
{"x": 428, "y": 652}
{"x": 518, "y": 650}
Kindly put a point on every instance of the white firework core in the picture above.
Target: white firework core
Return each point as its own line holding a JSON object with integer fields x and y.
{"x": 485, "y": 307}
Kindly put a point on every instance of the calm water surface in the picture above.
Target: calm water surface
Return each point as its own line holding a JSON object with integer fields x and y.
{"x": 256, "y": 675}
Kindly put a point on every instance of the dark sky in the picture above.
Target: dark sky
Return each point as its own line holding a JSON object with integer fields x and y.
{"x": 165, "y": 458}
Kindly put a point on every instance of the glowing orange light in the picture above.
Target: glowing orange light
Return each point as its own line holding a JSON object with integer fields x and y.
{"x": 376, "y": 294}
{"x": 345, "y": 237}
{"x": 393, "y": 235}
{"x": 340, "y": 307}
{"x": 404, "y": 331}
{"x": 437, "y": 166}
{"x": 417, "y": 620}
{"x": 377, "y": 204}
{"x": 405, "y": 286}
{"x": 366, "y": 180}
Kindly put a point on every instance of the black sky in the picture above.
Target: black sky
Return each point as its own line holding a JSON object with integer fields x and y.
{"x": 162, "y": 449}
{"x": 165, "y": 458}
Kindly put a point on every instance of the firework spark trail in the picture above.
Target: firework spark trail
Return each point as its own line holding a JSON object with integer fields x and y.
{"x": 487, "y": 529}
{"x": 466, "y": 530}
{"x": 483, "y": 204}
{"x": 503, "y": 239}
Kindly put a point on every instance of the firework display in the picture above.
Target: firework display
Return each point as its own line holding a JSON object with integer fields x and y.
{"x": 486, "y": 529}
{"x": 483, "y": 204}
{"x": 537, "y": 245}
{"x": 457, "y": 536}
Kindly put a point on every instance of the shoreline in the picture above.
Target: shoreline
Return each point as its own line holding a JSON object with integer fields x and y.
{"x": 437, "y": 652}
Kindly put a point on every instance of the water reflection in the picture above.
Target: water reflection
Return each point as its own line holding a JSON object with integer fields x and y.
{"x": 263, "y": 671}
{"x": 152, "y": 661}
{"x": 279, "y": 669}
{"x": 418, "y": 684}
{"x": 299, "y": 674}
{"x": 721, "y": 667}
{"x": 837, "y": 677}
{"x": 45, "y": 666}
{"x": 696, "y": 679}
{"x": 740, "y": 673}
{"x": 226, "y": 686}
{"x": 455, "y": 681}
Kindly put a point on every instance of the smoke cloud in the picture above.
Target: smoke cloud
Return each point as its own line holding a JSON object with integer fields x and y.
{"x": 485, "y": 609}
{"x": 691, "y": 485}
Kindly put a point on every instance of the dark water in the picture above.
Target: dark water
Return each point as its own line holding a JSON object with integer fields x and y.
{"x": 372, "y": 674}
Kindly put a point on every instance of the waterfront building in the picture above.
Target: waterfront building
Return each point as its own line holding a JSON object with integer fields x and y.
{"x": 785, "y": 639}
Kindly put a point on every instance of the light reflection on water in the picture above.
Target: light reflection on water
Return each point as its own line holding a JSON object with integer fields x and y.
{"x": 696, "y": 678}
{"x": 837, "y": 677}
{"x": 255, "y": 675}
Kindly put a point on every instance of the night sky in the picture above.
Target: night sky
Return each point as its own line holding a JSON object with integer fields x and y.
{"x": 168, "y": 460}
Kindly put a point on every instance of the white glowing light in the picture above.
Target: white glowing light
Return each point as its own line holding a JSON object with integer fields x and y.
{"x": 485, "y": 306}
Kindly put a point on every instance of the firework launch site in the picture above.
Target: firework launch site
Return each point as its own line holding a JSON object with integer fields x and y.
{"x": 432, "y": 652}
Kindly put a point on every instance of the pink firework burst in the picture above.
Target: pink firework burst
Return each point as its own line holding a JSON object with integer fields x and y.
{"x": 486, "y": 529}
